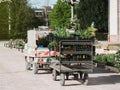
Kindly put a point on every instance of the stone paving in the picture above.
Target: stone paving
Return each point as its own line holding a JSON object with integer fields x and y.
{"x": 13, "y": 76}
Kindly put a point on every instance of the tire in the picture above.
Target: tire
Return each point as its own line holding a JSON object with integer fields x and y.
{"x": 35, "y": 68}
{"x": 27, "y": 65}
{"x": 81, "y": 75}
{"x": 54, "y": 74}
{"x": 67, "y": 76}
{"x": 85, "y": 79}
{"x": 62, "y": 79}
{"x": 76, "y": 76}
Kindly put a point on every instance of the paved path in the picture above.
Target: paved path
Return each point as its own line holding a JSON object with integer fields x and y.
{"x": 13, "y": 76}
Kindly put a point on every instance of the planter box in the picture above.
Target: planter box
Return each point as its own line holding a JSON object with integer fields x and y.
{"x": 101, "y": 64}
{"x": 113, "y": 69}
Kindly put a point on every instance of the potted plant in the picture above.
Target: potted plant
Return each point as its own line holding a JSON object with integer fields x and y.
{"x": 52, "y": 45}
{"x": 86, "y": 33}
{"x": 61, "y": 33}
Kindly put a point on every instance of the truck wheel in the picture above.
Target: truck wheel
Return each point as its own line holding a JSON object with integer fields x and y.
{"x": 85, "y": 79}
{"x": 54, "y": 74}
{"x": 27, "y": 65}
{"x": 62, "y": 79}
{"x": 35, "y": 68}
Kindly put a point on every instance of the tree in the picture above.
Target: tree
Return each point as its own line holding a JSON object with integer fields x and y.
{"x": 89, "y": 11}
{"x": 3, "y": 20}
{"x": 60, "y": 16}
{"x": 21, "y": 18}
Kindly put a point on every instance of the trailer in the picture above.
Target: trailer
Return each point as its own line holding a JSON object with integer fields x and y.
{"x": 75, "y": 59}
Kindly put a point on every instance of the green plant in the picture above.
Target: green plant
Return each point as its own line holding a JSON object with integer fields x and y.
{"x": 117, "y": 60}
{"x": 61, "y": 32}
{"x": 86, "y": 33}
{"x": 60, "y": 15}
{"x": 108, "y": 59}
{"x": 99, "y": 58}
{"x": 51, "y": 44}
{"x": 20, "y": 43}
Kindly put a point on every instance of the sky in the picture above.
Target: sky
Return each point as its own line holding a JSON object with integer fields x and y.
{"x": 40, "y": 3}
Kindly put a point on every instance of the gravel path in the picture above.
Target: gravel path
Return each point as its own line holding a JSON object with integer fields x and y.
{"x": 13, "y": 76}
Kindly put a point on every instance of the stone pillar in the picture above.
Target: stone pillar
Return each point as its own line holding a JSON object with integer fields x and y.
{"x": 118, "y": 6}
{"x": 113, "y": 21}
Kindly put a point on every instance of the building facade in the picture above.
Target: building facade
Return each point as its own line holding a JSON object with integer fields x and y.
{"x": 114, "y": 21}
{"x": 43, "y": 13}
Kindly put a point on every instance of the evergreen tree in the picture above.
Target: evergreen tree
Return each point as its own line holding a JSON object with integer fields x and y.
{"x": 22, "y": 18}
{"x": 3, "y": 20}
{"x": 60, "y": 16}
{"x": 89, "y": 11}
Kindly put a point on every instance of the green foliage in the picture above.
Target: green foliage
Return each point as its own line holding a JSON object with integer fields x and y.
{"x": 51, "y": 44}
{"x": 4, "y": 20}
{"x": 108, "y": 59}
{"x": 61, "y": 32}
{"x": 22, "y": 18}
{"x": 20, "y": 43}
{"x": 93, "y": 10}
{"x": 60, "y": 15}
{"x": 117, "y": 60}
{"x": 85, "y": 33}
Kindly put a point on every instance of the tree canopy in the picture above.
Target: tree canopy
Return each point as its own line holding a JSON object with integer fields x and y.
{"x": 60, "y": 16}
{"x": 89, "y": 11}
{"x": 3, "y": 20}
{"x": 22, "y": 18}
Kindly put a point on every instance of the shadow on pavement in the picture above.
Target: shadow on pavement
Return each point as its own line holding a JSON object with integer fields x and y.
{"x": 102, "y": 76}
{"x": 102, "y": 80}
{"x": 101, "y": 70}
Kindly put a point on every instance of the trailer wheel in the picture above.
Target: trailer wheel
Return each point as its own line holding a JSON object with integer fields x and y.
{"x": 85, "y": 79}
{"x": 76, "y": 76}
{"x": 27, "y": 64}
{"x": 35, "y": 68}
{"x": 67, "y": 76}
{"x": 54, "y": 74}
{"x": 62, "y": 79}
{"x": 81, "y": 75}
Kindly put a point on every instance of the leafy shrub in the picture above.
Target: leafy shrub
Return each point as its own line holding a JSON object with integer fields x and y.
{"x": 108, "y": 59}
{"x": 61, "y": 32}
{"x": 86, "y": 33}
{"x": 51, "y": 44}
{"x": 117, "y": 60}
{"x": 20, "y": 43}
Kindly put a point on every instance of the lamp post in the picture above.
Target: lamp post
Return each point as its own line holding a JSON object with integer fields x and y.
{"x": 72, "y": 10}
